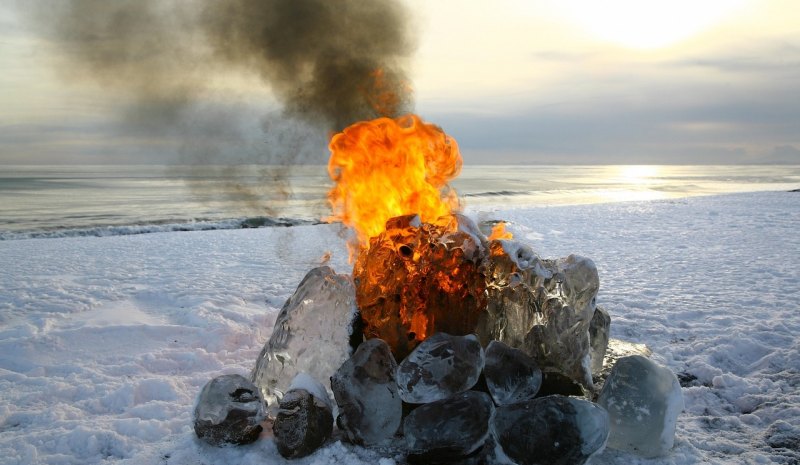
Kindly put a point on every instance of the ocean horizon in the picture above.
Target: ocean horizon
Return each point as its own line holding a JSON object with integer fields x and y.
{"x": 43, "y": 201}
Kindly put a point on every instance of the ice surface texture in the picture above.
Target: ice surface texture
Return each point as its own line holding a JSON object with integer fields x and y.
{"x": 448, "y": 430}
{"x": 643, "y": 400}
{"x": 599, "y": 331}
{"x": 304, "y": 421}
{"x": 370, "y": 409}
{"x": 543, "y": 307}
{"x": 552, "y": 430}
{"x": 228, "y": 411}
{"x": 439, "y": 367}
{"x": 311, "y": 334}
{"x": 511, "y": 374}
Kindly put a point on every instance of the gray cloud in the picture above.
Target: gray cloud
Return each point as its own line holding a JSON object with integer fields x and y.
{"x": 771, "y": 59}
{"x": 788, "y": 154}
{"x": 717, "y": 133}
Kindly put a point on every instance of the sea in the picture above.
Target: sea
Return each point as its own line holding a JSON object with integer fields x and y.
{"x": 104, "y": 200}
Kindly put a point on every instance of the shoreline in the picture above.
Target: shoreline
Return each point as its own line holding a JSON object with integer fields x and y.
{"x": 254, "y": 222}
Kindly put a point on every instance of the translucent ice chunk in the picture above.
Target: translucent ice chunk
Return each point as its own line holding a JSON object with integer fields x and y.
{"x": 543, "y": 307}
{"x": 311, "y": 334}
{"x": 370, "y": 409}
{"x": 599, "y": 330}
{"x": 304, "y": 420}
{"x": 643, "y": 400}
{"x": 448, "y": 430}
{"x": 439, "y": 367}
{"x": 315, "y": 388}
{"x": 551, "y": 430}
{"x": 228, "y": 411}
{"x": 511, "y": 374}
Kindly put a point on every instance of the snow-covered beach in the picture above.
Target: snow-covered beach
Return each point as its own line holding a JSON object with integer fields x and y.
{"x": 105, "y": 342}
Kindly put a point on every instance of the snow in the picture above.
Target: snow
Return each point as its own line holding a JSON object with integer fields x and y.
{"x": 105, "y": 342}
{"x": 312, "y": 386}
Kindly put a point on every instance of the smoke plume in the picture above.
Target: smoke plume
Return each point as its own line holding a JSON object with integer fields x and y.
{"x": 184, "y": 67}
{"x": 327, "y": 62}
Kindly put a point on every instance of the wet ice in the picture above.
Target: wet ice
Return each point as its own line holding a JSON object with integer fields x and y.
{"x": 643, "y": 400}
{"x": 543, "y": 307}
{"x": 511, "y": 375}
{"x": 439, "y": 367}
{"x": 311, "y": 334}
{"x": 229, "y": 411}
{"x": 366, "y": 392}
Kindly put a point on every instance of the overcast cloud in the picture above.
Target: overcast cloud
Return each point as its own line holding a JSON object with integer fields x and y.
{"x": 511, "y": 86}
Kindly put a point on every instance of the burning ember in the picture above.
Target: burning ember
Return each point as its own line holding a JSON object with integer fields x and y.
{"x": 416, "y": 279}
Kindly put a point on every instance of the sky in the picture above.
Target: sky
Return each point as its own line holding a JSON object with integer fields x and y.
{"x": 518, "y": 82}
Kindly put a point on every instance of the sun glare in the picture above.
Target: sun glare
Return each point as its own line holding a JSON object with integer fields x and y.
{"x": 651, "y": 24}
{"x": 638, "y": 174}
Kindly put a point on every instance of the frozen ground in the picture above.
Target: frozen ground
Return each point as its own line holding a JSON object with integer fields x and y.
{"x": 106, "y": 342}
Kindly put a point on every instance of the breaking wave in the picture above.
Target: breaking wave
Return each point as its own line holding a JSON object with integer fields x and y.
{"x": 497, "y": 194}
{"x": 156, "y": 227}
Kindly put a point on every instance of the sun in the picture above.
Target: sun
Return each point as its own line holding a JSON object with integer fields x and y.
{"x": 648, "y": 24}
{"x": 637, "y": 174}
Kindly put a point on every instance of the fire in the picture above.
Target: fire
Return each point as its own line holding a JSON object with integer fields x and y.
{"x": 499, "y": 232}
{"x": 386, "y": 168}
{"x": 415, "y": 271}
{"x": 417, "y": 279}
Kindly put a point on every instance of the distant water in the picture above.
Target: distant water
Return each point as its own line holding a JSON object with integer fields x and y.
{"x": 64, "y": 201}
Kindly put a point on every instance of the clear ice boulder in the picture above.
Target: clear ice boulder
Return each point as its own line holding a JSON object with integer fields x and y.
{"x": 370, "y": 409}
{"x": 643, "y": 400}
{"x": 511, "y": 374}
{"x": 543, "y": 307}
{"x": 448, "y": 430}
{"x": 304, "y": 420}
{"x": 552, "y": 430}
{"x": 439, "y": 367}
{"x": 228, "y": 411}
{"x": 311, "y": 334}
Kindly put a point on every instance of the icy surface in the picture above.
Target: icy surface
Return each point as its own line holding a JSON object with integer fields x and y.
{"x": 552, "y": 430}
{"x": 105, "y": 343}
{"x": 599, "y": 330}
{"x": 303, "y": 423}
{"x": 312, "y": 333}
{"x": 370, "y": 409}
{"x": 439, "y": 367}
{"x": 229, "y": 411}
{"x": 643, "y": 400}
{"x": 616, "y": 350}
{"x": 314, "y": 387}
{"x": 449, "y": 428}
{"x": 511, "y": 374}
{"x": 543, "y": 307}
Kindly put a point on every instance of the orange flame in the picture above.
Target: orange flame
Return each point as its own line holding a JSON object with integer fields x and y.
{"x": 499, "y": 232}
{"x": 385, "y": 168}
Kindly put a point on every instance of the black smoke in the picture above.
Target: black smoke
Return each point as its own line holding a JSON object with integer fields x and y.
{"x": 187, "y": 69}
{"x": 328, "y": 62}
{"x": 334, "y": 62}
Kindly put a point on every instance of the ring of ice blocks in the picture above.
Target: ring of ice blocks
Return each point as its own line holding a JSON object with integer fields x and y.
{"x": 532, "y": 340}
